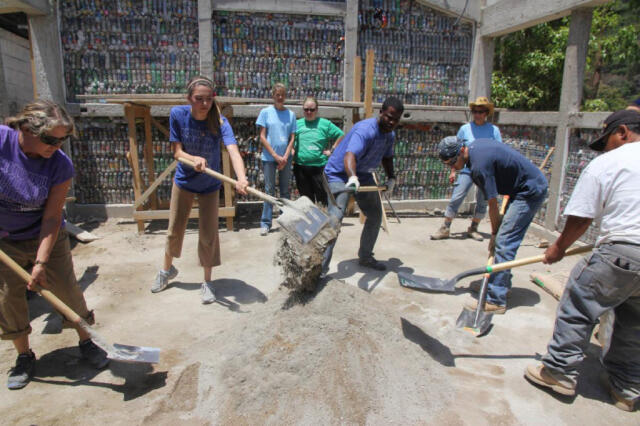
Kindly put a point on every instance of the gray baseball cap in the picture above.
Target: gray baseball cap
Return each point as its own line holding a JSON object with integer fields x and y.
{"x": 449, "y": 147}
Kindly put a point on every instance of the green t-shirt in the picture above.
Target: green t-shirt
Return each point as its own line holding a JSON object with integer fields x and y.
{"x": 313, "y": 137}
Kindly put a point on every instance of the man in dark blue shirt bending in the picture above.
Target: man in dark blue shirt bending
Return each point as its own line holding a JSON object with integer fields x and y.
{"x": 497, "y": 168}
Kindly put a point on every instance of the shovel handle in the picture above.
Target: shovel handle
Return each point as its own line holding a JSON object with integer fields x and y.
{"x": 224, "y": 178}
{"x": 48, "y": 295}
{"x": 535, "y": 259}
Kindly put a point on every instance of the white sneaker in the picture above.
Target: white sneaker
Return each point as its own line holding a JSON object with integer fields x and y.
{"x": 162, "y": 279}
{"x": 264, "y": 231}
{"x": 208, "y": 296}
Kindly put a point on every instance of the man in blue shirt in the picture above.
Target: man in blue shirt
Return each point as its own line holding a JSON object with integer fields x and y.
{"x": 369, "y": 143}
{"x": 497, "y": 168}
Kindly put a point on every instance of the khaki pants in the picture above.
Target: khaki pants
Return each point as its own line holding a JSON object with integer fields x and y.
{"x": 14, "y": 311}
{"x": 208, "y": 242}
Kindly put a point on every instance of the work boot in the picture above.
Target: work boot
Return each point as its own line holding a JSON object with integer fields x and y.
{"x": 92, "y": 353}
{"x": 20, "y": 375}
{"x": 472, "y": 232}
{"x": 442, "y": 233}
{"x": 542, "y": 376}
{"x": 489, "y": 308}
{"x": 372, "y": 263}
{"x": 619, "y": 401}
{"x": 162, "y": 279}
{"x": 208, "y": 296}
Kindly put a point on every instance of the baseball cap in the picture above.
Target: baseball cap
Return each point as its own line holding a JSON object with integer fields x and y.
{"x": 449, "y": 147}
{"x": 611, "y": 123}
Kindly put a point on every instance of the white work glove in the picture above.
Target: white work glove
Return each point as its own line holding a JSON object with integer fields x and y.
{"x": 353, "y": 183}
{"x": 390, "y": 184}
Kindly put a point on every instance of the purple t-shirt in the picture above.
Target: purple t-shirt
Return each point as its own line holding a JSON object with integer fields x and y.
{"x": 25, "y": 184}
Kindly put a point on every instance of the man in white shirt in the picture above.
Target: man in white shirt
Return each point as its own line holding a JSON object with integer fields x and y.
{"x": 608, "y": 190}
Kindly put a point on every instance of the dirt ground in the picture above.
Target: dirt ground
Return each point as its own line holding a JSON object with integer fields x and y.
{"x": 363, "y": 350}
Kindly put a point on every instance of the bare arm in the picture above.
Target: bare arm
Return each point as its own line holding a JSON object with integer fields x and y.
{"x": 266, "y": 145}
{"x": 387, "y": 165}
{"x": 573, "y": 229}
{"x": 238, "y": 168}
{"x": 334, "y": 146}
{"x": 350, "y": 164}
{"x": 51, "y": 219}
{"x": 494, "y": 215}
{"x": 178, "y": 152}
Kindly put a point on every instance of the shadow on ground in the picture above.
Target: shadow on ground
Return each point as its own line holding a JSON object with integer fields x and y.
{"x": 64, "y": 367}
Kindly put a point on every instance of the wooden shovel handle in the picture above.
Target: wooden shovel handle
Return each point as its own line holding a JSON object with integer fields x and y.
{"x": 51, "y": 298}
{"x": 535, "y": 259}
{"x": 224, "y": 178}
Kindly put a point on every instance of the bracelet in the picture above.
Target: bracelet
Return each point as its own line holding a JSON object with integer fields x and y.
{"x": 40, "y": 262}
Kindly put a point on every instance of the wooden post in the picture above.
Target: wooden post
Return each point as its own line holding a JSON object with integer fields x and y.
{"x": 368, "y": 84}
{"x": 149, "y": 154}
{"x": 130, "y": 114}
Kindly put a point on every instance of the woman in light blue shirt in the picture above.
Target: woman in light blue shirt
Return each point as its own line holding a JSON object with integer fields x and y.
{"x": 478, "y": 128}
{"x": 277, "y": 132}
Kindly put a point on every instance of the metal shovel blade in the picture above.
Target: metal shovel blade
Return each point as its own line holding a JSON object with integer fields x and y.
{"x": 478, "y": 327}
{"x": 128, "y": 353}
{"x": 302, "y": 218}
{"x": 426, "y": 283}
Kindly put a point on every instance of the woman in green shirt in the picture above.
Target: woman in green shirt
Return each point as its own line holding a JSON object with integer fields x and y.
{"x": 315, "y": 140}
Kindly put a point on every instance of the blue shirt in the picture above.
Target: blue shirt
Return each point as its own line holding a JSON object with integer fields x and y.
{"x": 280, "y": 124}
{"x": 369, "y": 146}
{"x": 499, "y": 169}
{"x": 471, "y": 131}
{"x": 197, "y": 139}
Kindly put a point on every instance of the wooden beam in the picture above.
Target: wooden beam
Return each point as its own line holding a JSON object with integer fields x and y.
{"x": 282, "y": 6}
{"x": 155, "y": 184}
{"x": 507, "y": 16}
{"x": 30, "y": 7}
{"x": 141, "y": 215}
{"x": 148, "y": 156}
{"x": 160, "y": 127}
{"x": 135, "y": 161}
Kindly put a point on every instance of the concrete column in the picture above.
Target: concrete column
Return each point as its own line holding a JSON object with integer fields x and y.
{"x": 481, "y": 67}
{"x": 350, "y": 47}
{"x": 4, "y": 97}
{"x": 205, "y": 37}
{"x": 570, "y": 99}
{"x": 44, "y": 35}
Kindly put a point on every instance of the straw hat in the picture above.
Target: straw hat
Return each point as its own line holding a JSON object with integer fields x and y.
{"x": 482, "y": 102}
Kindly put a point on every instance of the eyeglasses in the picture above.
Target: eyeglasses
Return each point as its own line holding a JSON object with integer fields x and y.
{"x": 480, "y": 111}
{"x": 451, "y": 161}
{"x": 309, "y": 109}
{"x": 53, "y": 141}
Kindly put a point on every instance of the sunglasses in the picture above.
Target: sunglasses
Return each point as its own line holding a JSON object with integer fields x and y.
{"x": 309, "y": 109}
{"x": 451, "y": 161}
{"x": 480, "y": 111}
{"x": 53, "y": 141}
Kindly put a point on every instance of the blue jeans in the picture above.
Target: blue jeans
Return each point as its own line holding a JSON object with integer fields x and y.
{"x": 269, "y": 168}
{"x": 461, "y": 188}
{"x": 514, "y": 225}
{"x": 369, "y": 203}
{"x": 607, "y": 279}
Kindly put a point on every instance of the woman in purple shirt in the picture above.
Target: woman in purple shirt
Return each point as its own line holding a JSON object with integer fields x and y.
{"x": 34, "y": 179}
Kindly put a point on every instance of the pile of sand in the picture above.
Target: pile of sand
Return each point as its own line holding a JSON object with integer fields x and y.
{"x": 340, "y": 358}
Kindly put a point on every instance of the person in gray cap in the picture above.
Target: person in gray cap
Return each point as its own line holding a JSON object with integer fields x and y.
{"x": 608, "y": 191}
{"x": 497, "y": 168}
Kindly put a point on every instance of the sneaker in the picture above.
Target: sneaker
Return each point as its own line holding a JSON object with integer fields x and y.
{"x": 619, "y": 401}
{"x": 208, "y": 296}
{"x": 488, "y": 307}
{"x": 472, "y": 232}
{"x": 20, "y": 375}
{"x": 264, "y": 231}
{"x": 92, "y": 353}
{"x": 541, "y": 375}
{"x": 162, "y": 279}
{"x": 370, "y": 262}
{"x": 442, "y": 234}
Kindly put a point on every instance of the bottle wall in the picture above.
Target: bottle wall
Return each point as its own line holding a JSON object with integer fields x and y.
{"x": 253, "y": 51}
{"x": 112, "y": 46}
{"x": 421, "y": 56}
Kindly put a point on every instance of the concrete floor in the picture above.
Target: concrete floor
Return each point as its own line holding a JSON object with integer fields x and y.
{"x": 486, "y": 372}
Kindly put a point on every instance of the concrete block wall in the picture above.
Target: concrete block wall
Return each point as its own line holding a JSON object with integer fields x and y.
{"x": 16, "y": 69}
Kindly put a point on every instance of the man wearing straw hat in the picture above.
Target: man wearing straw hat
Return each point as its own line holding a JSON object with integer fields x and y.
{"x": 478, "y": 128}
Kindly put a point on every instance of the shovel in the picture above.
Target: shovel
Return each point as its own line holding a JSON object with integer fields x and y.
{"x": 448, "y": 286}
{"x": 302, "y": 218}
{"x": 116, "y": 351}
{"x": 477, "y": 322}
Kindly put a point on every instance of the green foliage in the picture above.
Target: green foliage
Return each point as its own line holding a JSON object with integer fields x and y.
{"x": 529, "y": 63}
